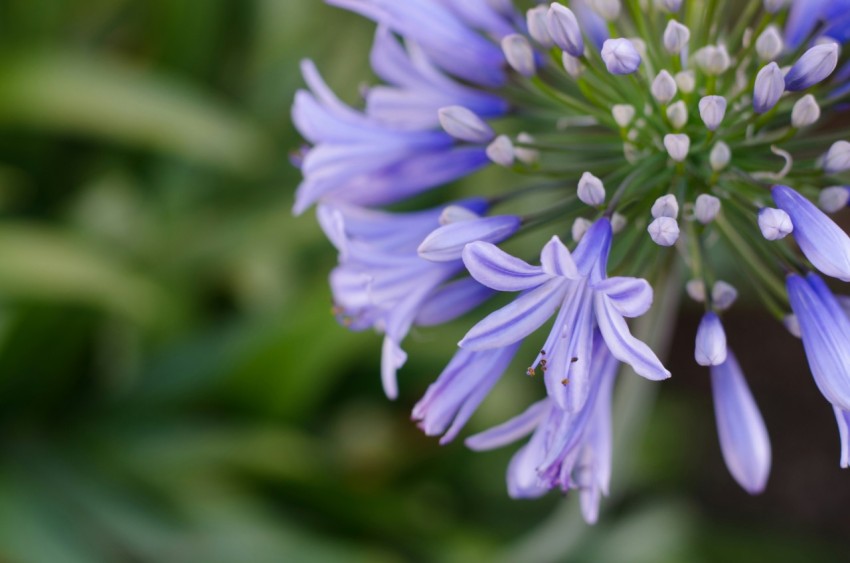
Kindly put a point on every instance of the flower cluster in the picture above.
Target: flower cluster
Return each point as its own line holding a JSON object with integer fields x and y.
{"x": 643, "y": 130}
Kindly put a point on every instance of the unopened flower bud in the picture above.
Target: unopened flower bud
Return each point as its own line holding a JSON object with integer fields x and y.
{"x": 686, "y": 80}
{"x": 815, "y": 65}
{"x": 696, "y": 290}
{"x": 706, "y": 208}
{"x": 666, "y": 206}
{"x": 775, "y": 224}
{"x": 713, "y": 59}
{"x": 663, "y": 87}
{"x": 769, "y": 87}
{"x": 837, "y": 159}
{"x": 591, "y": 191}
{"x": 564, "y": 29}
{"x": 769, "y": 44}
{"x": 457, "y": 214}
{"x": 620, "y": 56}
{"x": 524, "y": 154}
{"x": 618, "y": 223}
{"x": 806, "y": 112}
{"x": 623, "y": 114}
{"x": 664, "y": 231}
{"x": 537, "y": 27}
{"x": 723, "y": 295}
{"x": 501, "y": 151}
{"x": 676, "y": 37}
{"x": 677, "y": 113}
{"x": 710, "y": 349}
{"x": 572, "y": 65}
{"x": 464, "y": 125}
{"x": 719, "y": 156}
{"x": 677, "y": 146}
{"x": 712, "y": 110}
{"x": 834, "y": 198}
{"x": 519, "y": 54}
{"x": 580, "y": 226}
{"x": 608, "y": 9}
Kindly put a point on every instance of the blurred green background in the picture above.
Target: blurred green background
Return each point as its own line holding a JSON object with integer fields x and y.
{"x": 173, "y": 386}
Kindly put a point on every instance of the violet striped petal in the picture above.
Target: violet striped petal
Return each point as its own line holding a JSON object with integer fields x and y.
{"x": 452, "y": 301}
{"x": 622, "y": 344}
{"x": 825, "y": 333}
{"x": 822, "y": 241}
{"x": 555, "y": 258}
{"x": 512, "y": 430}
{"x": 631, "y": 297}
{"x": 518, "y": 319}
{"x": 447, "y": 242}
{"x": 452, "y": 399}
{"x": 499, "y": 270}
{"x": 740, "y": 427}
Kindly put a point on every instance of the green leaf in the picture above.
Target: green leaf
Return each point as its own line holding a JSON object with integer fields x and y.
{"x": 117, "y": 103}
{"x": 48, "y": 265}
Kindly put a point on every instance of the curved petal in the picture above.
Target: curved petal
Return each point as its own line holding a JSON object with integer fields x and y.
{"x": 509, "y": 432}
{"x": 499, "y": 270}
{"x": 623, "y": 345}
{"x": 447, "y": 242}
{"x": 631, "y": 297}
{"x": 518, "y": 319}
{"x": 823, "y": 242}
{"x": 556, "y": 260}
{"x": 452, "y": 301}
{"x": 740, "y": 427}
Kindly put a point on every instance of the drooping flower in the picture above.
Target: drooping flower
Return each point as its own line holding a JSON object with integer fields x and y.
{"x": 578, "y": 285}
{"x": 567, "y": 451}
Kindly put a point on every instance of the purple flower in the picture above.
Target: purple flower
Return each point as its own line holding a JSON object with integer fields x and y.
{"x": 566, "y": 450}
{"x": 416, "y": 89}
{"x": 382, "y": 283}
{"x": 740, "y": 427}
{"x": 825, "y": 330}
{"x": 465, "y": 382}
{"x": 445, "y": 34}
{"x": 359, "y": 159}
{"x": 587, "y": 299}
{"x": 822, "y": 241}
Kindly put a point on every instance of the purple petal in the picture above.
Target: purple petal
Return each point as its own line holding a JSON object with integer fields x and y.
{"x": 447, "y": 242}
{"x": 499, "y": 270}
{"x": 452, "y": 301}
{"x": 822, "y": 241}
{"x": 392, "y": 358}
{"x": 825, "y": 331}
{"x": 591, "y": 254}
{"x": 740, "y": 427}
{"x": 557, "y": 261}
{"x": 631, "y": 297}
{"x": 518, "y": 319}
{"x": 623, "y": 345}
{"x": 509, "y": 432}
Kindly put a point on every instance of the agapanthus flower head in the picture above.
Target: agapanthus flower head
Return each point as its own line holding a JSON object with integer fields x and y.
{"x": 626, "y": 148}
